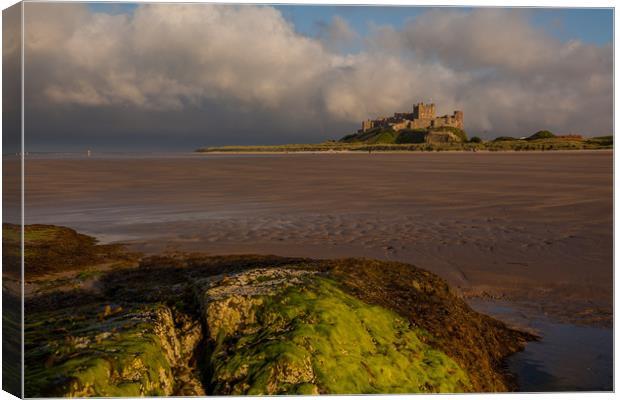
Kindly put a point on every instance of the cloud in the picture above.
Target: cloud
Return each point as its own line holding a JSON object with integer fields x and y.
{"x": 508, "y": 76}
{"x": 11, "y": 69}
{"x": 337, "y": 35}
{"x": 486, "y": 38}
{"x": 521, "y": 78}
{"x": 168, "y": 56}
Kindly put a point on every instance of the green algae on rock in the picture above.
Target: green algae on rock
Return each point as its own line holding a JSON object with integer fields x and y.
{"x": 50, "y": 249}
{"x": 299, "y": 333}
{"x": 127, "y": 353}
{"x": 190, "y": 324}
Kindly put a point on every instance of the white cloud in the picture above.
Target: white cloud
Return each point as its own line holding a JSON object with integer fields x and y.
{"x": 508, "y": 77}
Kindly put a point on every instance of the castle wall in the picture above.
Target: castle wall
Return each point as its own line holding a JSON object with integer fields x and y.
{"x": 455, "y": 120}
{"x": 420, "y": 123}
{"x": 422, "y": 117}
{"x": 441, "y": 137}
{"x": 400, "y": 125}
{"x": 458, "y": 115}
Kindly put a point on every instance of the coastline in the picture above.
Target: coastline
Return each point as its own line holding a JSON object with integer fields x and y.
{"x": 385, "y": 144}
{"x": 405, "y": 152}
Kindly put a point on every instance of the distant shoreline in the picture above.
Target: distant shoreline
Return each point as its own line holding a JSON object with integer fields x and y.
{"x": 335, "y": 152}
{"x": 555, "y": 143}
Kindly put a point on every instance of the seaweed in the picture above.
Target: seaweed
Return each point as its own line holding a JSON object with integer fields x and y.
{"x": 187, "y": 324}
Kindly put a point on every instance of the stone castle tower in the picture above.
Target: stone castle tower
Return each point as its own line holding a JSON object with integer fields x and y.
{"x": 424, "y": 111}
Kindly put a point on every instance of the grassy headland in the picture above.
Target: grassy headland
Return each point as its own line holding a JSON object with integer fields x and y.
{"x": 387, "y": 140}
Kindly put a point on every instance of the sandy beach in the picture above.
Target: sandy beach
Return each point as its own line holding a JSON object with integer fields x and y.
{"x": 523, "y": 237}
{"x": 533, "y": 228}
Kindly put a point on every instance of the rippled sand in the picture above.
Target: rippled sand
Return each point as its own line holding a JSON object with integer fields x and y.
{"x": 535, "y": 228}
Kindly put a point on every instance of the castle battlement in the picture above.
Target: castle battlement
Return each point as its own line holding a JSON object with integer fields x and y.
{"x": 421, "y": 117}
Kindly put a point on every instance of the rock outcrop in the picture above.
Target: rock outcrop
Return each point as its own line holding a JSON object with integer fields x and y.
{"x": 291, "y": 331}
{"x": 138, "y": 352}
{"x": 194, "y": 324}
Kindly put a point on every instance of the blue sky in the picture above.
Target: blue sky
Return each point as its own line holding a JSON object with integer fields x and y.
{"x": 589, "y": 25}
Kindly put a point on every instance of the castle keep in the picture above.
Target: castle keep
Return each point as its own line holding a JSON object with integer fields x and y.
{"x": 422, "y": 117}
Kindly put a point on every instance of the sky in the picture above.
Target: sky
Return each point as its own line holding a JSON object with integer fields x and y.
{"x": 155, "y": 77}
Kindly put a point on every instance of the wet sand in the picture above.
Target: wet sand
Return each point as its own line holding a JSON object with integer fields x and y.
{"x": 525, "y": 237}
{"x": 532, "y": 228}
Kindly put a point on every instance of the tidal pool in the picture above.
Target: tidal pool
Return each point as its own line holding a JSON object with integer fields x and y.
{"x": 568, "y": 357}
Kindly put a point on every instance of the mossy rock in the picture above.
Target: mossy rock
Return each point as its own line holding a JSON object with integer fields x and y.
{"x": 312, "y": 337}
{"x": 49, "y": 249}
{"x": 275, "y": 325}
{"x": 114, "y": 352}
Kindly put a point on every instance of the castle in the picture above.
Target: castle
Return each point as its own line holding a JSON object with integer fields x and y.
{"x": 422, "y": 117}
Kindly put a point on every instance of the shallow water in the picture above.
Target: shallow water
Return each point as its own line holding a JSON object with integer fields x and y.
{"x": 568, "y": 357}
